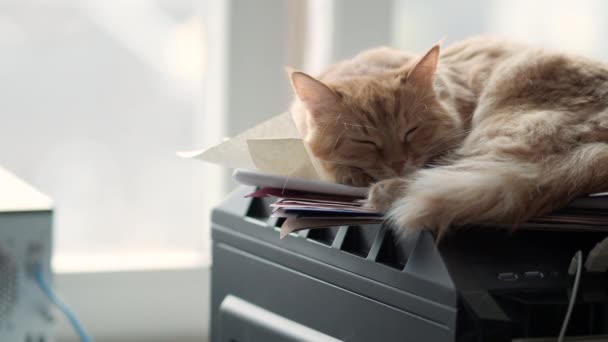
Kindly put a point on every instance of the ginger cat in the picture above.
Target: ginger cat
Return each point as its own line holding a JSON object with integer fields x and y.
{"x": 487, "y": 131}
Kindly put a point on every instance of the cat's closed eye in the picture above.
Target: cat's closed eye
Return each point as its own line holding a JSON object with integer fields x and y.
{"x": 409, "y": 132}
{"x": 368, "y": 143}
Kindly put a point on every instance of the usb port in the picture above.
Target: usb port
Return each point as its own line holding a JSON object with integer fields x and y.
{"x": 534, "y": 275}
{"x": 507, "y": 276}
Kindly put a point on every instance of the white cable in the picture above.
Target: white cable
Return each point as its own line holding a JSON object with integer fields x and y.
{"x": 577, "y": 278}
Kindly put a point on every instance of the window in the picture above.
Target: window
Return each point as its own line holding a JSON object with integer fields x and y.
{"x": 575, "y": 26}
{"x": 97, "y": 98}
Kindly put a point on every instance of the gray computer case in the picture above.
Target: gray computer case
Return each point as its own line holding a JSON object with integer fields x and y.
{"x": 359, "y": 283}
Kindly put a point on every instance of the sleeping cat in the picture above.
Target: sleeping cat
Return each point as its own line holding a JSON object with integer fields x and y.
{"x": 487, "y": 131}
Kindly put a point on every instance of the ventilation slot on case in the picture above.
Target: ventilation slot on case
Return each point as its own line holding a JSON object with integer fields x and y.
{"x": 8, "y": 285}
{"x": 392, "y": 253}
{"x": 260, "y": 208}
{"x": 359, "y": 239}
{"x": 325, "y": 236}
{"x": 279, "y": 222}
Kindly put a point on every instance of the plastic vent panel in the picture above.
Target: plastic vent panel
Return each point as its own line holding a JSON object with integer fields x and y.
{"x": 259, "y": 208}
{"x": 359, "y": 239}
{"x": 371, "y": 250}
{"x": 325, "y": 236}
{"x": 373, "y": 242}
{"x": 392, "y": 253}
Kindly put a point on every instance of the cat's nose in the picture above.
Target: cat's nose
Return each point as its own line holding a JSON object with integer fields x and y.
{"x": 398, "y": 165}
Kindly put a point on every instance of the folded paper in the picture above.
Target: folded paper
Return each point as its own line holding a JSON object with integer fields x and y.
{"x": 274, "y": 146}
{"x": 294, "y": 157}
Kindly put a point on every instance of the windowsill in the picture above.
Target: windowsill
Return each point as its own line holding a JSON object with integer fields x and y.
{"x": 170, "y": 304}
{"x": 129, "y": 261}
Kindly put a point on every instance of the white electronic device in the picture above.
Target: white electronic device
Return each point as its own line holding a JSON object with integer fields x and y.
{"x": 249, "y": 177}
{"x": 25, "y": 245}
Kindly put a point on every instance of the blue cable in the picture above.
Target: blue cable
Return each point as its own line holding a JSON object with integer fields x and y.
{"x": 69, "y": 314}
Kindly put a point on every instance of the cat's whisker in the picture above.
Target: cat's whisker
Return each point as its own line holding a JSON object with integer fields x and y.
{"x": 443, "y": 143}
{"x": 336, "y": 142}
{"x": 347, "y": 124}
{"x": 338, "y": 118}
{"x": 441, "y": 149}
{"x": 420, "y": 105}
{"x": 327, "y": 125}
{"x": 437, "y": 150}
{"x": 333, "y": 162}
{"x": 454, "y": 135}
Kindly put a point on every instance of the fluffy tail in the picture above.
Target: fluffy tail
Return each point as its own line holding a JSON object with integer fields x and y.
{"x": 467, "y": 192}
{"x": 482, "y": 190}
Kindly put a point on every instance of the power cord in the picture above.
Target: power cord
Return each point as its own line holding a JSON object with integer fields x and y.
{"x": 46, "y": 288}
{"x": 578, "y": 258}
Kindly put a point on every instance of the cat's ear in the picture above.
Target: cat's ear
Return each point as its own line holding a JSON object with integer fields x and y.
{"x": 314, "y": 94}
{"x": 423, "y": 73}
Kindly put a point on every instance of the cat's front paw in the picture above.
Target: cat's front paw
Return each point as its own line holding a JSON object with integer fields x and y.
{"x": 358, "y": 179}
{"x": 383, "y": 194}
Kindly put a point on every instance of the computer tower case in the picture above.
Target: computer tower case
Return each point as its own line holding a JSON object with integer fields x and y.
{"x": 360, "y": 283}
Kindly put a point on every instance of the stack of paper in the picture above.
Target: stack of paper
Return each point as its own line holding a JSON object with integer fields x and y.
{"x": 307, "y": 210}
{"x": 304, "y": 210}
